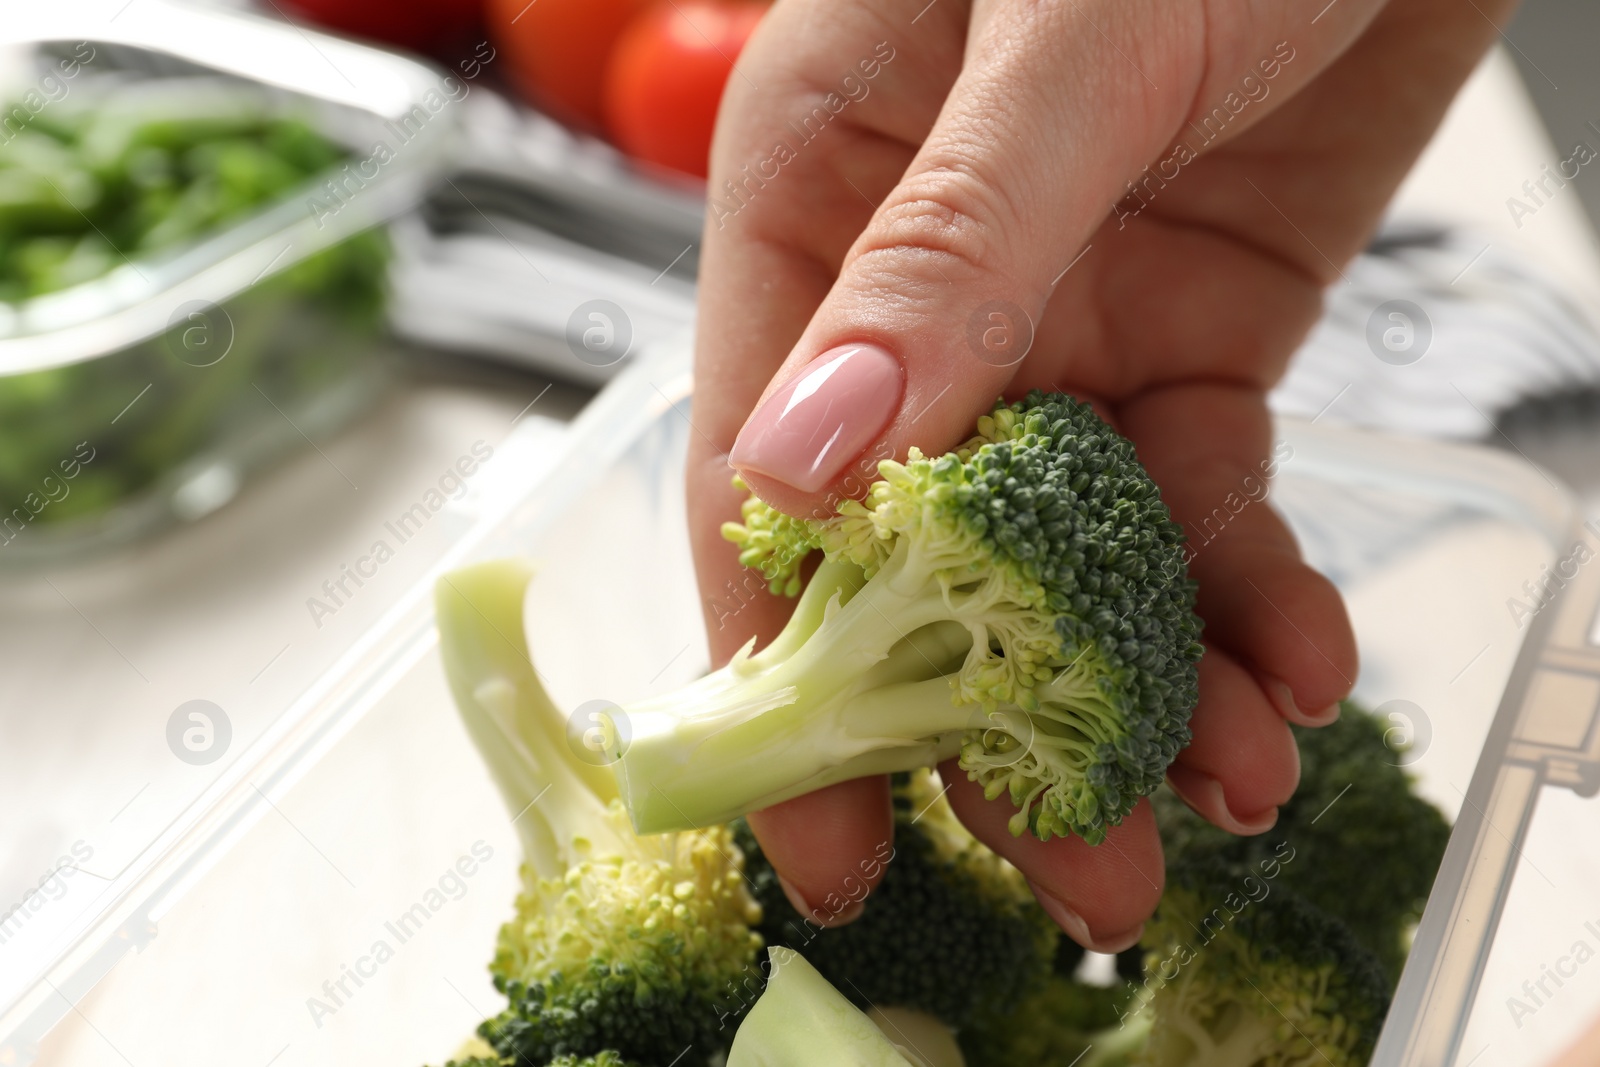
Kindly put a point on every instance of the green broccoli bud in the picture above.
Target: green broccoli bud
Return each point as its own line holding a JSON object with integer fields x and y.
{"x": 802, "y": 1021}
{"x": 946, "y": 906}
{"x": 772, "y": 543}
{"x": 1235, "y": 980}
{"x": 620, "y": 944}
{"x": 1062, "y": 1022}
{"x": 1020, "y": 603}
{"x": 1364, "y": 846}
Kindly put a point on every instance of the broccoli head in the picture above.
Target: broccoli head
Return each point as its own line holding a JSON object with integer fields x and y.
{"x": 1355, "y": 840}
{"x": 1021, "y": 603}
{"x": 802, "y": 1021}
{"x": 1240, "y": 980}
{"x": 952, "y": 929}
{"x": 620, "y": 944}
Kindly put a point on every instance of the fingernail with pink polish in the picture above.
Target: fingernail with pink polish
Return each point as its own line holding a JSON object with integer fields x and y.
{"x": 821, "y": 916}
{"x": 1205, "y": 795}
{"x": 1282, "y": 698}
{"x": 1073, "y": 925}
{"x": 807, "y": 432}
{"x": 796, "y": 901}
{"x": 843, "y": 917}
{"x": 1325, "y": 717}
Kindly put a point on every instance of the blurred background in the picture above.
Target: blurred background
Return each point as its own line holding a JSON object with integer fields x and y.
{"x": 304, "y": 300}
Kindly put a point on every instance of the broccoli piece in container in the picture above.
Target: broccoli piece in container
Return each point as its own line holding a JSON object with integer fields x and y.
{"x": 1355, "y": 840}
{"x": 621, "y": 945}
{"x": 952, "y": 929}
{"x": 1239, "y": 981}
{"x": 1021, "y": 603}
{"x": 1063, "y": 1023}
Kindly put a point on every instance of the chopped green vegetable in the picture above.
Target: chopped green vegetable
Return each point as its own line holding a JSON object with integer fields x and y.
{"x": 141, "y": 183}
{"x": 81, "y": 199}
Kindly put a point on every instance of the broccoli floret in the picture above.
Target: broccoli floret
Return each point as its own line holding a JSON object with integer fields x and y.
{"x": 1020, "y": 602}
{"x": 1264, "y": 980}
{"x": 1063, "y": 1023}
{"x": 947, "y": 906}
{"x": 1355, "y": 840}
{"x": 620, "y": 944}
{"x": 802, "y": 1021}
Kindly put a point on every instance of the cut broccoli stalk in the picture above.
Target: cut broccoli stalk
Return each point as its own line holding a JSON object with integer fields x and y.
{"x": 1020, "y": 603}
{"x": 918, "y": 1036}
{"x": 802, "y": 1021}
{"x": 518, "y": 732}
{"x": 801, "y": 714}
{"x": 621, "y": 946}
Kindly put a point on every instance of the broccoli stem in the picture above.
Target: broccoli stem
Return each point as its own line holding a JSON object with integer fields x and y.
{"x": 796, "y": 713}
{"x": 1119, "y": 1046}
{"x": 802, "y": 1021}
{"x": 1235, "y": 1036}
{"x": 559, "y": 803}
{"x": 708, "y": 768}
{"x": 845, "y": 692}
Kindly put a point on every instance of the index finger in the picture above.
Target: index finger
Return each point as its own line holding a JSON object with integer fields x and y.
{"x": 778, "y": 226}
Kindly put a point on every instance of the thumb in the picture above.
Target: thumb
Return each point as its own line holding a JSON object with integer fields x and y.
{"x": 935, "y": 302}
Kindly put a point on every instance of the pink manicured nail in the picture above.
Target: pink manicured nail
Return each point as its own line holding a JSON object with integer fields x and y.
{"x": 1073, "y": 925}
{"x": 1282, "y": 698}
{"x": 821, "y": 916}
{"x": 809, "y": 431}
{"x": 796, "y": 901}
{"x": 1325, "y": 717}
{"x": 1204, "y": 794}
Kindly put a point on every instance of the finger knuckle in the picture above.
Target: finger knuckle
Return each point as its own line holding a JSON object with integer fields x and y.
{"x": 948, "y": 211}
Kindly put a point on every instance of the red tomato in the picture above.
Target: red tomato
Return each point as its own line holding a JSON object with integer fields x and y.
{"x": 558, "y": 49}
{"x": 666, "y": 77}
{"x": 417, "y": 24}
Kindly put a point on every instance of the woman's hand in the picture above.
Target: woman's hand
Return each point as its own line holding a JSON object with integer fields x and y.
{"x": 905, "y": 193}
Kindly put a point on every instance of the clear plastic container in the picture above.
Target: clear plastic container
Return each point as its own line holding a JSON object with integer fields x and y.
{"x": 148, "y": 392}
{"x": 266, "y": 929}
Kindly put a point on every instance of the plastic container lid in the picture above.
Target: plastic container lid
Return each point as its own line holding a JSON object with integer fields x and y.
{"x": 320, "y": 912}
